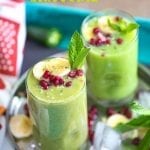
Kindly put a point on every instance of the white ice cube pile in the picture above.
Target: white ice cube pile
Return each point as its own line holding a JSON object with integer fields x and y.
{"x": 106, "y": 138}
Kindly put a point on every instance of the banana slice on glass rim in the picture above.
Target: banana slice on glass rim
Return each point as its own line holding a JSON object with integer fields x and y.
{"x": 116, "y": 119}
{"x": 56, "y": 66}
{"x": 21, "y": 126}
{"x": 103, "y": 24}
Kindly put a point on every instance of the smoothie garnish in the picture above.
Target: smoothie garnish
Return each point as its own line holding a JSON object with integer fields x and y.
{"x": 69, "y": 83}
{"x": 102, "y": 33}
{"x": 75, "y": 73}
{"x": 77, "y": 51}
{"x": 122, "y": 26}
{"x": 119, "y": 41}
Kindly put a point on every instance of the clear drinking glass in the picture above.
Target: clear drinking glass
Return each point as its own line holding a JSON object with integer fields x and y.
{"x": 111, "y": 68}
{"x": 60, "y": 125}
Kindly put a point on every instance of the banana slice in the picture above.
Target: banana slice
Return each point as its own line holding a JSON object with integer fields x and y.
{"x": 21, "y": 126}
{"x": 115, "y": 119}
{"x": 103, "y": 24}
{"x": 57, "y": 66}
{"x": 87, "y": 32}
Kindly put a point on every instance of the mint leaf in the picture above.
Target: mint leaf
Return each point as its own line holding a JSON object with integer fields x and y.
{"x": 122, "y": 26}
{"x": 140, "y": 121}
{"x": 114, "y": 26}
{"x": 139, "y": 109}
{"x": 131, "y": 26}
{"x": 145, "y": 143}
{"x": 77, "y": 51}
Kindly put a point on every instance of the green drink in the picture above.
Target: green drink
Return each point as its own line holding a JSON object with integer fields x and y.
{"x": 58, "y": 106}
{"x": 112, "y": 60}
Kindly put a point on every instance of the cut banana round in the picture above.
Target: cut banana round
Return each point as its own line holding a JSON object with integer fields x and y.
{"x": 56, "y": 66}
{"x": 103, "y": 24}
{"x": 21, "y": 126}
{"x": 116, "y": 119}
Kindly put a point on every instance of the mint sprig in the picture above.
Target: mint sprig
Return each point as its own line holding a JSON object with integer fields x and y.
{"x": 139, "y": 109}
{"x": 122, "y": 26}
{"x": 142, "y": 120}
{"x": 145, "y": 143}
{"x": 77, "y": 51}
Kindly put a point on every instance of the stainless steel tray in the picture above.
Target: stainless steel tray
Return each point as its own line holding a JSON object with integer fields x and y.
{"x": 18, "y": 101}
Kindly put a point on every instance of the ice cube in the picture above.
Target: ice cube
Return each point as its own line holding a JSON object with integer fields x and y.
{"x": 106, "y": 138}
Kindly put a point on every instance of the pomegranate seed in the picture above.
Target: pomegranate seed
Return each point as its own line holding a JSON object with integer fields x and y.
{"x": 46, "y": 74}
{"x": 92, "y": 41}
{"x": 56, "y": 82}
{"x": 2, "y": 84}
{"x": 110, "y": 111}
{"x": 1, "y": 126}
{"x": 90, "y": 123}
{"x": 61, "y": 81}
{"x": 119, "y": 41}
{"x": 136, "y": 141}
{"x": 79, "y": 72}
{"x": 108, "y": 41}
{"x": 107, "y": 34}
{"x": 98, "y": 42}
{"x": 93, "y": 110}
{"x": 117, "y": 18}
{"x": 125, "y": 111}
{"x": 26, "y": 109}
{"x": 69, "y": 83}
{"x": 96, "y": 30}
{"x": 44, "y": 84}
{"x": 91, "y": 136}
{"x": 72, "y": 74}
{"x": 51, "y": 78}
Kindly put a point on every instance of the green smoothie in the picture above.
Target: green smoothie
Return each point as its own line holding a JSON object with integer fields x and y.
{"x": 112, "y": 60}
{"x": 59, "y": 111}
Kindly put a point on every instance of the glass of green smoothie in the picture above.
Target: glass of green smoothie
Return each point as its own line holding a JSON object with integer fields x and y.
{"x": 112, "y": 36}
{"x": 56, "y": 92}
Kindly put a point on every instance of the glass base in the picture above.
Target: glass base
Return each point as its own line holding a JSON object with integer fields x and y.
{"x": 108, "y": 103}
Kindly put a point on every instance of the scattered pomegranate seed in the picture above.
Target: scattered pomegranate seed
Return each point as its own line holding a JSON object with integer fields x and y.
{"x": 72, "y": 74}
{"x": 125, "y": 111}
{"x": 2, "y": 84}
{"x": 110, "y": 111}
{"x": 92, "y": 41}
{"x": 46, "y": 74}
{"x": 1, "y": 126}
{"x": 69, "y": 83}
{"x": 136, "y": 141}
{"x": 117, "y": 18}
{"x": 44, "y": 84}
{"x": 93, "y": 109}
{"x": 96, "y": 30}
{"x": 91, "y": 136}
{"x": 119, "y": 41}
{"x": 79, "y": 72}
{"x": 26, "y": 109}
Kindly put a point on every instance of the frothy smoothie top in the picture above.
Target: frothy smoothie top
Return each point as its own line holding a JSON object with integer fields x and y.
{"x": 52, "y": 80}
{"x": 109, "y": 34}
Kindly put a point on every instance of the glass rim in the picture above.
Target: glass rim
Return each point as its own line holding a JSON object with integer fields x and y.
{"x": 103, "y": 13}
{"x": 49, "y": 102}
